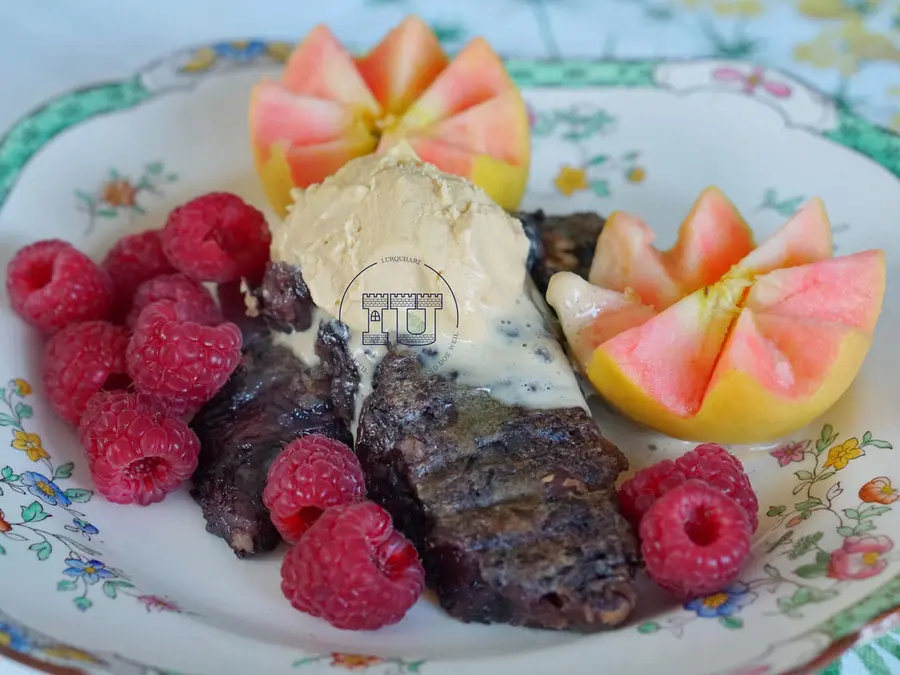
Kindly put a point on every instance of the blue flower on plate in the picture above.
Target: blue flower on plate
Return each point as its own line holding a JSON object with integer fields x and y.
{"x": 91, "y": 571}
{"x": 13, "y": 638}
{"x": 44, "y": 489}
{"x": 242, "y": 51}
{"x": 724, "y": 603}
{"x": 83, "y": 526}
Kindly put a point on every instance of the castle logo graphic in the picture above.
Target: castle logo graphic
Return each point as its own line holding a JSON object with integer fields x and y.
{"x": 412, "y": 316}
{"x": 425, "y": 320}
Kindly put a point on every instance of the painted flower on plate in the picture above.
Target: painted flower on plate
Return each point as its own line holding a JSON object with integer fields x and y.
{"x": 841, "y": 455}
{"x": 752, "y": 81}
{"x": 91, "y": 571}
{"x": 119, "y": 193}
{"x": 724, "y": 603}
{"x": 13, "y": 638}
{"x": 30, "y": 444}
{"x": 859, "y": 557}
{"x": 354, "y": 661}
{"x": 879, "y": 491}
{"x": 154, "y": 603}
{"x": 44, "y": 489}
{"x": 4, "y": 525}
{"x": 241, "y": 50}
{"x": 85, "y": 527}
{"x": 21, "y": 387}
{"x": 570, "y": 180}
{"x": 793, "y": 452}
{"x": 636, "y": 174}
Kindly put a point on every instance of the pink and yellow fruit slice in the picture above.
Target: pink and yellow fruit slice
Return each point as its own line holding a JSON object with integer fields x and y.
{"x": 712, "y": 238}
{"x": 751, "y": 358}
{"x": 466, "y": 116}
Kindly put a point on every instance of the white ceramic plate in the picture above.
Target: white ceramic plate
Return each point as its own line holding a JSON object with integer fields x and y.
{"x": 131, "y": 586}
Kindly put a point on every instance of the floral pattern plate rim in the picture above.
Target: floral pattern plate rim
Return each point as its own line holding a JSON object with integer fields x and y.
{"x": 49, "y": 514}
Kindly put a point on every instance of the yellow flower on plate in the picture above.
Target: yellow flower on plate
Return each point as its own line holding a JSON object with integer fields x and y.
{"x": 731, "y": 8}
{"x": 636, "y": 174}
{"x": 835, "y": 9}
{"x": 30, "y": 444}
{"x": 570, "y": 180}
{"x": 22, "y": 387}
{"x": 840, "y": 455}
{"x": 846, "y": 47}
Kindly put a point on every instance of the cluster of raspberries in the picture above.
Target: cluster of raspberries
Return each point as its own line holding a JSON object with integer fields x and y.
{"x": 137, "y": 342}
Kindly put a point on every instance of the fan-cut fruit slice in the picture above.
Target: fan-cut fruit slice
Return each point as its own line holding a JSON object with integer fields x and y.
{"x": 591, "y": 315}
{"x": 755, "y": 356}
{"x": 466, "y": 113}
{"x": 805, "y": 238}
{"x": 712, "y": 238}
{"x": 403, "y": 65}
{"x": 847, "y": 290}
{"x": 320, "y": 67}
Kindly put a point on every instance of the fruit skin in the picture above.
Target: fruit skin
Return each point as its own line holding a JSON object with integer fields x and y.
{"x": 217, "y": 237}
{"x": 329, "y": 108}
{"x": 132, "y": 260}
{"x": 310, "y": 475}
{"x": 353, "y": 570}
{"x": 79, "y": 361}
{"x": 137, "y": 454}
{"x": 694, "y": 540}
{"x": 181, "y": 361}
{"x": 52, "y": 285}
{"x": 194, "y": 300}
{"x": 709, "y": 463}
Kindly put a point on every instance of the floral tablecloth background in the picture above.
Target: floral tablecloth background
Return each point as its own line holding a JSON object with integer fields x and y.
{"x": 849, "y": 49}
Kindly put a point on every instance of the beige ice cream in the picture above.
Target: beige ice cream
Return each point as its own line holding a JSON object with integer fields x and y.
{"x": 410, "y": 221}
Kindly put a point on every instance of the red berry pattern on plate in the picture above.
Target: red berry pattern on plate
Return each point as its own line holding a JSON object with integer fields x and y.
{"x": 353, "y": 570}
{"x": 708, "y": 462}
{"x": 52, "y": 285}
{"x": 195, "y": 302}
{"x": 132, "y": 260}
{"x": 217, "y": 237}
{"x": 310, "y": 475}
{"x": 137, "y": 454}
{"x": 175, "y": 359}
{"x": 81, "y": 360}
{"x": 694, "y": 540}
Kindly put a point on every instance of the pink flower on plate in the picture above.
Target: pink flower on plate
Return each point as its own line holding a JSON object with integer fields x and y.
{"x": 156, "y": 603}
{"x": 792, "y": 452}
{"x": 752, "y": 81}
{"x": 859, "y": 557}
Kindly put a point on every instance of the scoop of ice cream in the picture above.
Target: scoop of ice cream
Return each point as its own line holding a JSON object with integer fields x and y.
{"x": 390, "y": 231}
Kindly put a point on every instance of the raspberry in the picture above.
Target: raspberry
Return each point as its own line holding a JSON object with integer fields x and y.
{"x": 217, "y": 237}
{"x": 195, "y": 302}
{"x": 136, "y": 453}
{"x": 708, "y": 462}
{"x": 81, "y": 360}
{"x": 132, "y": 260}
{"x": 52, "y": 285}
{"x": 714, "y": 465}
{"x": 311, "y": 474}
{"x": 353, "y": 570}
{"x": 694, "y": 540}
{"x": 178, "y": 360}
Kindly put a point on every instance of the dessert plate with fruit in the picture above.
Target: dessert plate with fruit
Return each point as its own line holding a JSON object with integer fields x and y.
{"x": 402, "y": 362}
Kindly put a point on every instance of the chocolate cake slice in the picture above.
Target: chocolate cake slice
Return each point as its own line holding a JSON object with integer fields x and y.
{"x": 560, "y": 243}
{"x": 512, "y": 509}
{"x": 272, "y": 398}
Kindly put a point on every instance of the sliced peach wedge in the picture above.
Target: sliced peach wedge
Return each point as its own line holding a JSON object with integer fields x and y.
{"x": 756, "y": 355}
{"x": 466, "y": 116}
